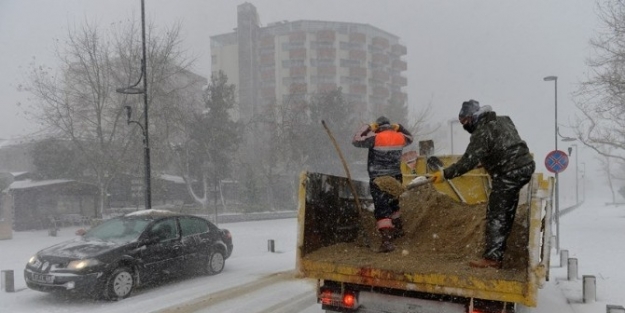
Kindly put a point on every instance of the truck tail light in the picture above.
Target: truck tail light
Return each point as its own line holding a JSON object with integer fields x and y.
{"x": 334, "y": 298}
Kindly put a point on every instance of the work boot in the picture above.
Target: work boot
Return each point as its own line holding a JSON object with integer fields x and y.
{"x": 387, "y": 236}
{"x": 484, "y": 263}
{"x": 398, "y": 231}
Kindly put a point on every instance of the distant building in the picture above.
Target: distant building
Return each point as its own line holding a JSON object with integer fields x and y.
{"x": 294, "y": 59}
{"x": 33, "y": 204}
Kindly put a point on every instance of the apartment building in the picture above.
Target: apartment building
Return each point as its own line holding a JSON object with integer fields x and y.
{"x": 286, "y": 60}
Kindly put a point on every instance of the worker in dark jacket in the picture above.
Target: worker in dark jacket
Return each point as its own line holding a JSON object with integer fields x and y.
{"x": 496, "y": 145}
{"x": 385, "y": 142}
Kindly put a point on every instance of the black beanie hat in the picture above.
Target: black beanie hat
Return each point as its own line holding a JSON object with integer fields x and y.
{"x": 468, "y": 108}
{"x": 382, "y": 120}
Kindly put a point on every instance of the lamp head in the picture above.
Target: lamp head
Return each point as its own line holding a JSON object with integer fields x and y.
{"x": 550, "y": 78}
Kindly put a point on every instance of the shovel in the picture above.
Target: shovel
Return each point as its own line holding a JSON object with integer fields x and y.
{"x": 435, "y": 164}
{"x": 393, "y": 187}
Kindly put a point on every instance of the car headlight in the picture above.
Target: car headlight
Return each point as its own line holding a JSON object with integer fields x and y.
{"x": 80, "y": 264}
{"x": 34, "y": 261}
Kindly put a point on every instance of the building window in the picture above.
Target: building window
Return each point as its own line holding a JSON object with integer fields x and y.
{"x": 288, "y": 81}
{"x": 351, "y": 46}
{"x": 292, "y": 63}
{"x": 324, "y": 44}
{"x": 286, "y": 46}
{"x": 320, "y": 62}
{"x": 350, "y": 63}
{"x": 293, "y": 98}
{"x": 321, "y": 79}
{"x": 350, "y": 80}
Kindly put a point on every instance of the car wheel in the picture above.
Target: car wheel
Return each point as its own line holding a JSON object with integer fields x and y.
{"x": 215, "y": 262}
{"x": 120, "y": 284}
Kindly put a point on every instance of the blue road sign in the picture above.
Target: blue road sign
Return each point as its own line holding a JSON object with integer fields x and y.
{"x": 556, "y": 161}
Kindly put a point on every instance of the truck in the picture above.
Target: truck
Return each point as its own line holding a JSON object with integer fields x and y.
{"x": 428, "y": 271}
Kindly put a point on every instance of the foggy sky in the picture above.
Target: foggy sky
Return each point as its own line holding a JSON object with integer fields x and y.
{"x": 494, "y": 51}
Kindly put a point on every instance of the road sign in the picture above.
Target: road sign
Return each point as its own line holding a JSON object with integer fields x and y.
{"x": 556, "y": 161}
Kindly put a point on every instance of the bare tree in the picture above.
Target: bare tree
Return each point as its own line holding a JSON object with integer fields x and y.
{"x": 78, "y": 102}
{"x": 601, "y": 98}
{"x": 608, "y": 166}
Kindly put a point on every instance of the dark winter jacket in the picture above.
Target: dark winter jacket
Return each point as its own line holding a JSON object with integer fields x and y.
{"x": 385, "y": 149}
{"x": 495, "y": 144}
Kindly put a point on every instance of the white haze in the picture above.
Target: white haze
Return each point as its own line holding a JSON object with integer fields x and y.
{"x": 493, "y": 51}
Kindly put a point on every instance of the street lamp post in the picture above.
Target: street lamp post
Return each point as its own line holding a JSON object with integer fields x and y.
{"x": 576, "y": 170}
{"x": 144, "y": 128}
{"x": 584, "y": 181}
{"x": 556, "y": 200}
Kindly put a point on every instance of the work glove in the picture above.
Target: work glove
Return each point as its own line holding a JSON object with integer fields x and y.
{"x": 395, "y": 127}
{"x": 374, "y": 127}
{"x": 438, "y": 177}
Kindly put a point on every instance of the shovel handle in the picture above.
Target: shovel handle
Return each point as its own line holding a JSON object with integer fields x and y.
{"x": 419, "y": 183}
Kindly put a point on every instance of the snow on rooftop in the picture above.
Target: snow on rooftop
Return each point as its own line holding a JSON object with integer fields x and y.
{"x": 28, "y": 183}
{"x": 172, "y": 178}
{"x": 151, "y": 212}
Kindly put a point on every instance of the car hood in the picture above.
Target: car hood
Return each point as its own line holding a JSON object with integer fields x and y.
{"x": 80, "y": 249}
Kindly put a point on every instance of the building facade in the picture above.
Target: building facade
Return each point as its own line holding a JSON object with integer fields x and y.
{"x": 286, "y": 60}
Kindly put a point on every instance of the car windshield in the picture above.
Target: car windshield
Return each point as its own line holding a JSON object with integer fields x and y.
{"x": 119, "y": 230}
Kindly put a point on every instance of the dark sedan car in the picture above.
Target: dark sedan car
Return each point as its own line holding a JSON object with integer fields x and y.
{"x": 110, "y": 260}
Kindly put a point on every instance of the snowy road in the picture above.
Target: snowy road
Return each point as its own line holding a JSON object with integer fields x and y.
{"x": 257, "y": 281}
{"x": 254, "y": 279}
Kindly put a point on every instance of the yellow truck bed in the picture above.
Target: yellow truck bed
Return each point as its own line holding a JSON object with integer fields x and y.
{"x": 330, "y": 247}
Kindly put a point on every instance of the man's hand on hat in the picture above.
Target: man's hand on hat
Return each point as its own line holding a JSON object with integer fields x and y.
{"x": 374, "y": 126}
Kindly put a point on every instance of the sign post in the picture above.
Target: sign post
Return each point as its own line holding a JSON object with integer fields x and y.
{"x": 556, "y": 161}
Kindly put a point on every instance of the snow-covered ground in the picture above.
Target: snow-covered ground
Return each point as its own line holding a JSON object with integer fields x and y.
{"x": 256, "y": 280}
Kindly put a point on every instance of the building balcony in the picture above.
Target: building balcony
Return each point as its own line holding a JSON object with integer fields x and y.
{"x": 399, "y": 65}
{"x": 381, "y": 92}
{"x": 326, "y": 71}
{"x": 297, "y": 54}
{"x": 357, "y": 38}
{"x": 358, "y": 55}
{"x": 380, "y": 76}
{"x": 298, "y": 88}
{"x": 297, "y": 36}
{"x": 357, "y": 72}
{"x": 358, "y": 89}
{"x": 268, "y": 74}
{"x": 267, "y": 41}
{"x": 325, "y": 87}
{"x": 325, "y": 53}
{"x": 380, "y": 58}
{"x": 399, "y": 81}
{"x": 268, "y": 92}
{"x": 297, "y": 71}
{"x": 399, "y": 50}
{"x": 380, "y": 42}
{"x": 267, "y": 59}
{"x": 326, "y": 35}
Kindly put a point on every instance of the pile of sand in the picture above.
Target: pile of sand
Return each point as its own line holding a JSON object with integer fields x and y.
{"x": 442, "y": 235}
